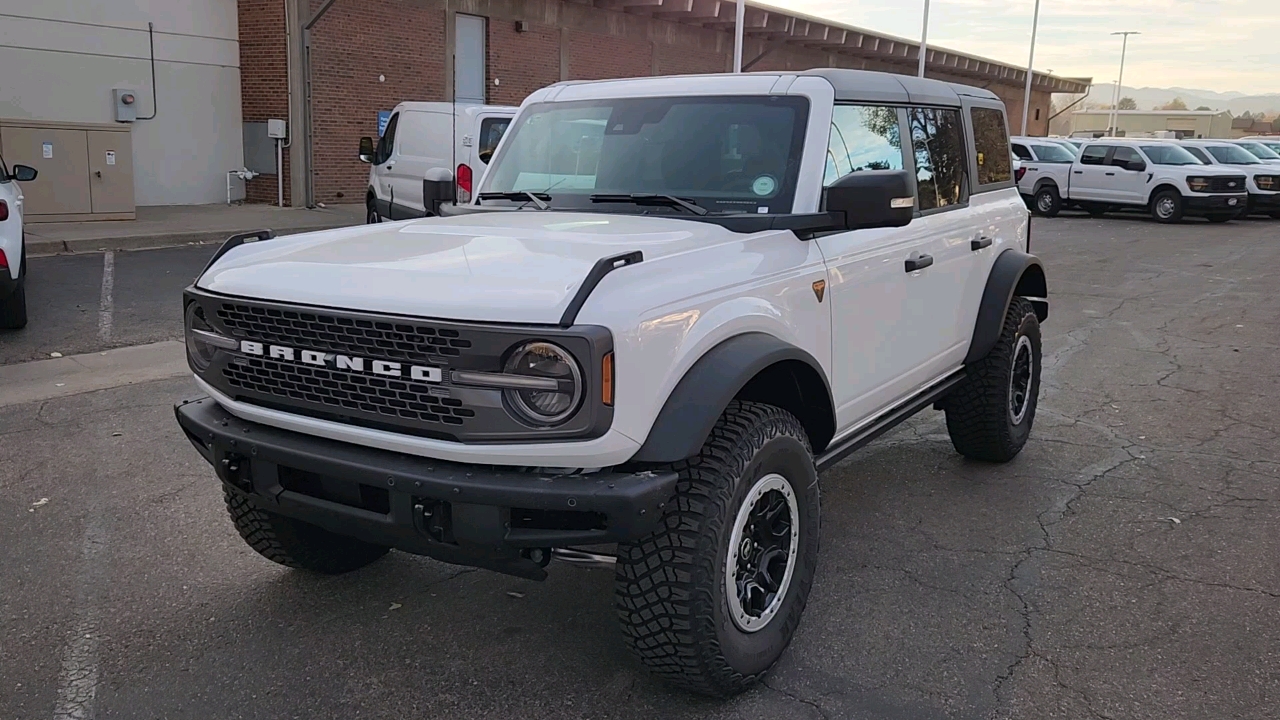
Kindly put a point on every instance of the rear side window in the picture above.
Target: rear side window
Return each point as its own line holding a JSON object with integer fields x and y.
{"x": 1094, "y": 155}
{"x": 1021, "y": 152}
{"x": 862, "y": 138}
{"x": 991, "y": 143}
{"x": 491, "y": 130}
{"x": 1123, "y": 156}
{"x": 1200, "y": 155}
{"x": 937, "y": 141}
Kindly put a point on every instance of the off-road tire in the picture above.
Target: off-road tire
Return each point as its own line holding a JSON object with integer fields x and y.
{"x": 1221, "y": 218}
{"x": 980, "y": 415}
{"x": 670, "y": 587}
{"x": 13, "y": 309}
{"x": 1047, "y": 202}
{"x": 1174, "y": 214}
{"x": 297, "y": 544}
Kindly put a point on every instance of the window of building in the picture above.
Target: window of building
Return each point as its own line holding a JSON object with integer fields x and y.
{"x": 937, "y": 141}
{"x": 862, "y": 138}
{"x": 1037, "y": 113}
{"x": 991, "y": 143}
{"x": 1094, "y": 155}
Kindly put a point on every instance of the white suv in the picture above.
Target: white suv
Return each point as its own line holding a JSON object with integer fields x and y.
{"x": 1263, "y": 178}
{"x": 13, "y": 248}
{"x": 671, "y": 304}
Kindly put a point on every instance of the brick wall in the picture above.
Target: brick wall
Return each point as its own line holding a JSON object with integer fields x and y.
{"x": 521, "y": 62}
{"x": 263, "y": 80}
{"x": 369, "y": 55}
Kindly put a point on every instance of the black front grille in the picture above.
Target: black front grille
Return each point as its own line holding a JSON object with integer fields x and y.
{"x": 380, "y": 339}
{"x": 341, "y": 390}
{"x": 1231, "y": 184}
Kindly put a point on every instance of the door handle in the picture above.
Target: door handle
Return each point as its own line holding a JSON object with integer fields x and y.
{"x": 918, "y": 261}
{"x": 1077, "y": 172}
{"x": 1111, "y": 174}
{"x": 98, "y": 173}
{"x": 390, "y": 164}
{"x": 981, "y": 242}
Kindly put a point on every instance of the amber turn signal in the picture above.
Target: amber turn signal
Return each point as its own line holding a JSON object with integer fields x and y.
{"x": 606, "y": 379}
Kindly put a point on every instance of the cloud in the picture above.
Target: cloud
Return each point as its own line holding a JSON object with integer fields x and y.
{"x": 1219, "y": 45}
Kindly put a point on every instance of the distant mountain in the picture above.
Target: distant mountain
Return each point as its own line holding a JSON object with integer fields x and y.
{"x": 1147, "y": 98}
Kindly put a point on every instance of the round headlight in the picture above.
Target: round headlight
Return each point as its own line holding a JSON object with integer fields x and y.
{"x": 559, "y": 398}
{"x": 202, "y": 341}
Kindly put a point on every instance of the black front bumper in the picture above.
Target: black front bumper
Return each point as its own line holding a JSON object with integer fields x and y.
{"x": 477, "y": 515}
{"x": 1264, "y": 203}
{"x": 1196, "y": 204}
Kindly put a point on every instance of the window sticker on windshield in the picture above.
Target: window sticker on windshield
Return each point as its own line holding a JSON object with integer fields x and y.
{"x": 764, "y": 185}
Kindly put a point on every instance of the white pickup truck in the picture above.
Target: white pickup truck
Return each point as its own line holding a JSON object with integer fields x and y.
{"x": 1263, "y": 177}
{"x": 1046, "y": 167}
{"x": 1157, "y": 176}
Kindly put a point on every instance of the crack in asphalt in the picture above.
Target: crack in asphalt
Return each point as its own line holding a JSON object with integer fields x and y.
{"x": 796, "y": 698}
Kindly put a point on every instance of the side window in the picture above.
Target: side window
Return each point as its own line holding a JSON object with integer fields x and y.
{"x": 1200, "y": 155}
{"x": 1094, "y": 155}
{"x": 937, "y": 139}
{"x": 863, "y": 137}
{"x": 991, "y": 143}
{"x": 1123, "y": 156}
{"x": 1021, "y": 152}
{"x": 491, "y": 130}
{"x": 387, "y": 142}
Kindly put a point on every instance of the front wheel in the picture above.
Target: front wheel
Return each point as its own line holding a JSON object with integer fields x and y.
{"x": 1047, "y": 201}
{"x": 711, "y": 599}
{"x": 371, "y": 216}
{"x": 1166, "y": 206}
{"x": 990, "y": 413}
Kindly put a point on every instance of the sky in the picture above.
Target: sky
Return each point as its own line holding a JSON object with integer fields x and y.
{"x": 1219, "y": 45}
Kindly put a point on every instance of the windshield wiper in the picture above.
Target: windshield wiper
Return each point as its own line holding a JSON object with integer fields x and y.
{"x": 650, "y": 199}
{"x": 515, "y": 195}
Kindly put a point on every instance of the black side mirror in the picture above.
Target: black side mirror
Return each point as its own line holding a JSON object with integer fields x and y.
{"x": 872, "y": 199}
{"x": 1135, "y": 165}
{"x": 366, "y": 149}
{"x": 438, "y": 188}
{"x": 24, "y": 173}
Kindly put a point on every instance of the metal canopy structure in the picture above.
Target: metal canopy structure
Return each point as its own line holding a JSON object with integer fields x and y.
{"x": 780, "y": 28}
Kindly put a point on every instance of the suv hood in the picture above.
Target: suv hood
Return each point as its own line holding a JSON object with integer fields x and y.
{"x": 510, "y": 267}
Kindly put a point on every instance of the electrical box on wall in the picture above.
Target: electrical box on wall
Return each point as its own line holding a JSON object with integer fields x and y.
{"x": 277, "y": 129}
{"x": 126, "y": 103}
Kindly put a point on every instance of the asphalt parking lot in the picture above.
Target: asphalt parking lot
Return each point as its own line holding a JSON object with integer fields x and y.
{"x": 1124, "y": 566}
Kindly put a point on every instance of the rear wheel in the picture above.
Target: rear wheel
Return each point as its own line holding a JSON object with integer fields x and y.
{"x": 990, "y": 413}
{"x": 1047, "y": 201}
{"x": 1166, "y": 206}
{"x": 711, "y": 599}
{"x": 1096, "y": 210}
{"x": 297, "y": 544}
{"x": 371, "y": 213}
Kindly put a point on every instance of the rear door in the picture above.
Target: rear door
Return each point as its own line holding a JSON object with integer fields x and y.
{"x": 1089, "y": 173}
{"x": 476, "y": 148}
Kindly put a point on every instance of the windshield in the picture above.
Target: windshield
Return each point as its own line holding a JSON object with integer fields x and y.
{"x": 1260, "y": 150}
{"x": 1170, "y": 155}
{"x": 1232, "y": 155}
{"x": 1053, "y": 153}
{"x": 727, "y": 154}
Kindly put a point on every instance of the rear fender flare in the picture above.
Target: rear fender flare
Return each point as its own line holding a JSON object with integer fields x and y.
{"x": 1015, "y": 273}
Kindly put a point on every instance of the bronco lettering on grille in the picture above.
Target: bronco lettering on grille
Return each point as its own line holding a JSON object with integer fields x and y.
{"x": 421, "y": 373}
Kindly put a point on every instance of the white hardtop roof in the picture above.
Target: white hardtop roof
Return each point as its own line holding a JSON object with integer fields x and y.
{"x": 460, "y": 108}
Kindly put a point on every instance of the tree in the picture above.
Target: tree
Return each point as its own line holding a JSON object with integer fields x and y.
{"x": 1246, "y": 115}
{"x": 1174, "y": 104}
{"x": 1203, "y": 107}
{"x": 1127, "y": 103}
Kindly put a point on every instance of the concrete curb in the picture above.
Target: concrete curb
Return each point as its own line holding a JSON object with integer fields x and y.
{"x": 59, "y": 377}
{"x": 44, "y": 247}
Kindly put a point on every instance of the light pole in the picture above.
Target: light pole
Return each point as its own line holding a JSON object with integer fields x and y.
{"x": 737, "y": 36}
{"x": 1026, "y": 98}
{"x": 924, "y": 38}
{"x": 1115, "y": 97}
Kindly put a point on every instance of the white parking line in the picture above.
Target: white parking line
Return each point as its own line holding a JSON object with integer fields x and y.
{"x": 106, "y": 303}
{"x": 78, "y": 679}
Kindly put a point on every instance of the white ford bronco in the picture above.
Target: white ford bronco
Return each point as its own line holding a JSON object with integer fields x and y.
{"x": 670, "y": 304}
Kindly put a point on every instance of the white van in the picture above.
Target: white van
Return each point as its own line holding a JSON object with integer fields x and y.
{"x": 417, "y": 141}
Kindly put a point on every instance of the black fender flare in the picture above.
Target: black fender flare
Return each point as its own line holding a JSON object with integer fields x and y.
{"x": 698, "y": 400}
{"x": 1014, "y": 273}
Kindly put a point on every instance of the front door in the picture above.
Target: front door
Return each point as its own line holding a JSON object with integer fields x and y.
{"x": 1122, "y": 183}
{"x": 1089, "y": 175}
